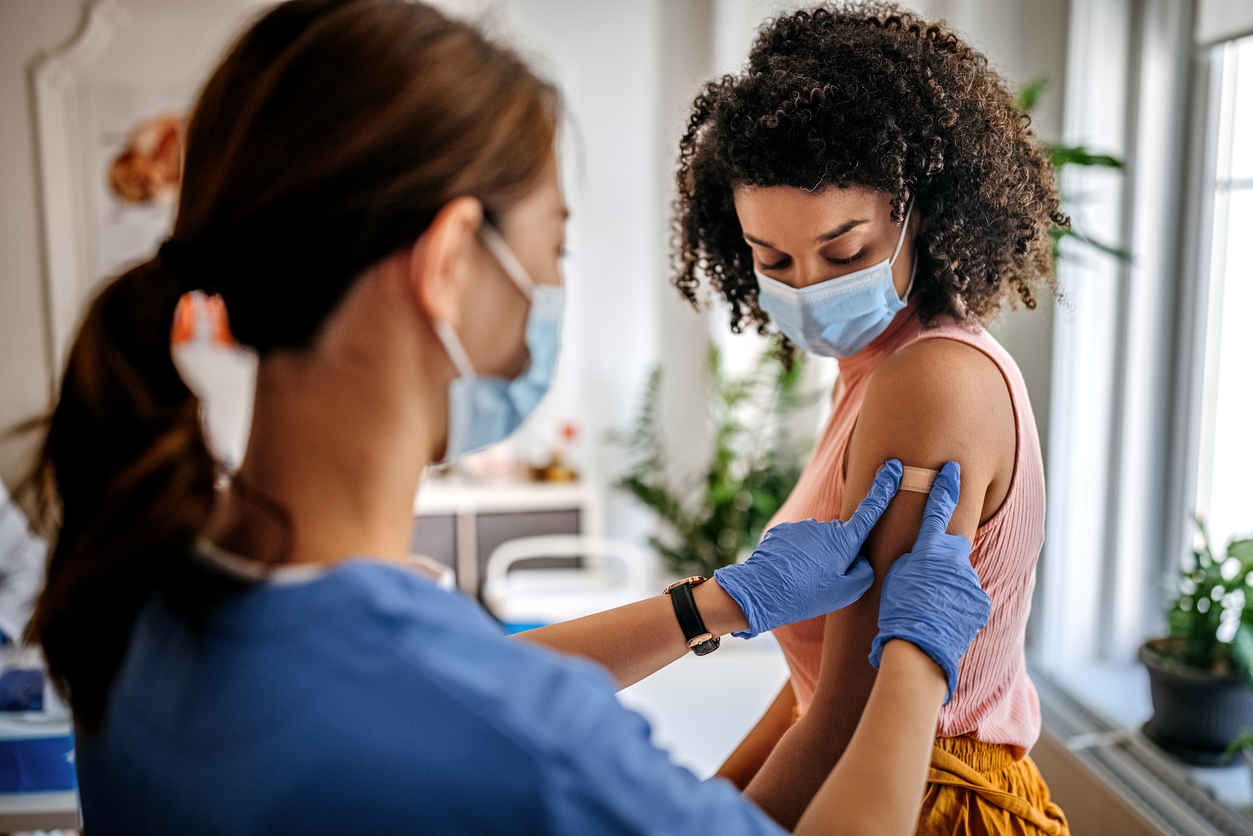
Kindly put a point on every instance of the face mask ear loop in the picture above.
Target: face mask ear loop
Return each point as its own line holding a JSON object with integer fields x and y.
{"x": 899, "y": 242}
{"x": 904, "y": 228}
{"x": 456, "y": 351}
{"x": 913, "y": 271}
{"x": 508, "y": 261}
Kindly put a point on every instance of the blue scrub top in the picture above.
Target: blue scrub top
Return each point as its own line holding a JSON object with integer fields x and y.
{"x": 368, "y": 700}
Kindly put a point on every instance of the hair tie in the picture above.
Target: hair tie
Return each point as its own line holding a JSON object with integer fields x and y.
{"x": 186, "y": 269}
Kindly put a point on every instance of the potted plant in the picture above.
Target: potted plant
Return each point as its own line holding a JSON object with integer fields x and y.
{"x": 755, "y": 462}
{"x": 1200, "y": 674}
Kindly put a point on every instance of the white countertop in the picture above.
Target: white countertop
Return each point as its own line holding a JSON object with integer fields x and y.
{"x": 452, "y": 496}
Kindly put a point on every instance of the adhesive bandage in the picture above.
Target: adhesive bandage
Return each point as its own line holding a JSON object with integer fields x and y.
{"x": 918, "y": 479}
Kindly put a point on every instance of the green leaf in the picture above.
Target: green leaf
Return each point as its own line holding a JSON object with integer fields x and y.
{"x": 1242, "y": 650}
{"x": 1063, "y": 155}
{"x": 1241, "y": 550}
{"x": 1029, "y": 95}
{"x": 1244, "y": 740}
{"x": 1108, "y": 249}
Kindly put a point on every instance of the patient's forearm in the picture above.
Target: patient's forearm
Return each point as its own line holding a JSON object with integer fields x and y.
{"x": 637, "y": 640}
{"x": 742, "y": 766}
{"x": 786, "y": 784}
{"x": 878, "y": 785}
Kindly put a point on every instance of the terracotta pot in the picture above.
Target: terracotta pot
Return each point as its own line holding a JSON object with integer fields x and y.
{"x": 1196, "y": 713}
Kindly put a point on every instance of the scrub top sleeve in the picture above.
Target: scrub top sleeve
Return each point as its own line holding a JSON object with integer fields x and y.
{"x": 613, "y": 780}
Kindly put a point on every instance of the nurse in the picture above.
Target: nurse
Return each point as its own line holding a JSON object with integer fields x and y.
{"x": 372, "y": 189}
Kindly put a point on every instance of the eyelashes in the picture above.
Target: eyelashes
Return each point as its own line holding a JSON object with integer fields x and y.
{"x": 842, "y": 261}
{"x": 784, "y": 263}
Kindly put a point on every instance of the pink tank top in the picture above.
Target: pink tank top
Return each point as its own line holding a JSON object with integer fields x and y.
{"x": 995, "y": 701}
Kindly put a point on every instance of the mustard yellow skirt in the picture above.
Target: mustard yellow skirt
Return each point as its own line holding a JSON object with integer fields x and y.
{"x": 978, "y": 789}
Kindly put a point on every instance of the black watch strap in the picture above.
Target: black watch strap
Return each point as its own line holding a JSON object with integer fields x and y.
{"x": 698, "y": 638}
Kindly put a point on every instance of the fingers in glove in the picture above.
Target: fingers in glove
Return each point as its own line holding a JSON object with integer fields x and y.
{"x": 885, "y": 486}
{"x": 860, "y": 576}
{"x": 942, "y": 500}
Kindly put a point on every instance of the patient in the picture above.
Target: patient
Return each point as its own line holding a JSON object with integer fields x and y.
{"x": 867, "y": 186}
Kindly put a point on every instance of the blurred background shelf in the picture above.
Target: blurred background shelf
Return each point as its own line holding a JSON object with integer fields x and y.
{"x": 460, "y": 523}
{"x": 39, "y": 811}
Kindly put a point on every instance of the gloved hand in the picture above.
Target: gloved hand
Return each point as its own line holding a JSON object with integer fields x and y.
{"x": 931, "y": 596}
{"x": 808, "y": 568}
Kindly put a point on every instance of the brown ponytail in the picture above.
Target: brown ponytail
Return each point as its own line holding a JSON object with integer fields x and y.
{"x": 329, "y": 137}
{"x": 135, "y": 478}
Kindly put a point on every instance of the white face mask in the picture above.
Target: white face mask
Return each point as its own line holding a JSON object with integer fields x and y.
{"x": 841, "y": 316}
{"x": 482, "y": 409}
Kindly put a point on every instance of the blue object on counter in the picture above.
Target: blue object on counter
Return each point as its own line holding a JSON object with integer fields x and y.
{"x": 512, "y": 628}
{"x": 36, "y": 755}
{"x": 22, "y": 689}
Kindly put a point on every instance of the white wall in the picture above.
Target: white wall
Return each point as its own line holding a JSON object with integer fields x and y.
{"x": 26, "y": 27}
{"x": 28, "y": 32}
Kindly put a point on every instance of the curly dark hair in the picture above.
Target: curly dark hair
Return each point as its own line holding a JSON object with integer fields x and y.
{"x": 870, "y": 95}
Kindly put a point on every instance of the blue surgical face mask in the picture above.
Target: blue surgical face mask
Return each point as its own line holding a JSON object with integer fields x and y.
{"x": 482, "y": 409}
{"x": 841, "y": 316}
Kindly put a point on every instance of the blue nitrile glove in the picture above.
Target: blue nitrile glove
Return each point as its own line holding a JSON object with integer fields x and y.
{"x": 808, "y": 568}
{"x": 931, "y": 596}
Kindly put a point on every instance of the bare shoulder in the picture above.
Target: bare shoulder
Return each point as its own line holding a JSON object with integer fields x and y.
{"x": 939, "y": 376}
{"x": 935, "y": 401}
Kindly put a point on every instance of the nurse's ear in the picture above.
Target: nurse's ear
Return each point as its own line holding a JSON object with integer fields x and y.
{"x": 440, "y": 262}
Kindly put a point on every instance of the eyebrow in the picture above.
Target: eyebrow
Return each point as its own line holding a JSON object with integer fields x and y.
{"x": 822, "y": 239}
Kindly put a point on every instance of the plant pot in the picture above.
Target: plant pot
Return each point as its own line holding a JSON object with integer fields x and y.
{"x": 1196, "y": 713}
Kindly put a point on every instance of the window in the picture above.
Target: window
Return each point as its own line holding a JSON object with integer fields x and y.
{"x": 1224, "y": 494}
{"x": 1153, "y": 377}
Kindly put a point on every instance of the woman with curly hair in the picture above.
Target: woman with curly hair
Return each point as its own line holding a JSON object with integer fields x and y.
{"x": 868, "y": 186}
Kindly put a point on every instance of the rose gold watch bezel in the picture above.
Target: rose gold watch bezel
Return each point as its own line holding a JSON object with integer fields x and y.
{"x": 694, "y": 580}
{"x": 699, "y": 640}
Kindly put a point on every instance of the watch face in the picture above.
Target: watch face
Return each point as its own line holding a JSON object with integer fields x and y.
{"x": 697, "y": 641}
{"x": 708, "y": 647}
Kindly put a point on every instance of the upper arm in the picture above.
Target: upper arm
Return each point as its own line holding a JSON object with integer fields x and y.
{"x": 936, "y": 401}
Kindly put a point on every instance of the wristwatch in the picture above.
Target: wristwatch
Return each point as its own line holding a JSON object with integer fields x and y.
{"x": 700, "y": 640}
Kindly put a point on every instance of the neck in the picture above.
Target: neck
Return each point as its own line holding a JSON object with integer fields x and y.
{"x": 340, "y": 436}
